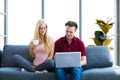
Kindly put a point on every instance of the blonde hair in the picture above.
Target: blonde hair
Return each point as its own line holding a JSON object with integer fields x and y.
{"x": 37, "y": 35}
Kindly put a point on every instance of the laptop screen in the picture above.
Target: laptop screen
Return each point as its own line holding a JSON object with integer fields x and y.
{"x": 68, "y": 59}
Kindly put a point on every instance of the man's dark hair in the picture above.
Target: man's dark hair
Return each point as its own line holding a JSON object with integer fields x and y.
{"x": 71, "y": 24}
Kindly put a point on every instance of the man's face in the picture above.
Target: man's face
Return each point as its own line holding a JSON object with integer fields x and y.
{"x": 70, "y": 32}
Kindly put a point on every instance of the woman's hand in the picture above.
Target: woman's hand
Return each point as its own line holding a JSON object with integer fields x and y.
{"x": 31, "y": 48}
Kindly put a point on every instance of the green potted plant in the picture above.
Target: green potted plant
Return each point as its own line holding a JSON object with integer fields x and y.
{"x": 101, "y": 37}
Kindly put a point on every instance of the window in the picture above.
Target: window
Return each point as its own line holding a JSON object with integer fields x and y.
{"x": 22, "y": 18}
{"x": 97, "y": 9}
{"x": 58, "y": 12}
{"x": 23, "y": 15}
{"x": 1, "y": 23}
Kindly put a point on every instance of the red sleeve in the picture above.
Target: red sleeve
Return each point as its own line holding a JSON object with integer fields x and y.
{"x": 82, "y": 48}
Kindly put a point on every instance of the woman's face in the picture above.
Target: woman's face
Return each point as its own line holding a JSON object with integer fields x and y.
{"x": 42, "y": 29}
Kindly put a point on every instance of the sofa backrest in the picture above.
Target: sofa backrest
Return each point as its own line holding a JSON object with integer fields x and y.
{"x": 97, "y": 56}
{"x": 10, "y": 50}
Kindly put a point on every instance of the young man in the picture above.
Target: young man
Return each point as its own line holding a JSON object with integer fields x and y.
{"x": 70, "y": 43}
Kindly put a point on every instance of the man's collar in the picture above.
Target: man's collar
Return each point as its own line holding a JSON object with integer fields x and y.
{"x": 65, "y": 39}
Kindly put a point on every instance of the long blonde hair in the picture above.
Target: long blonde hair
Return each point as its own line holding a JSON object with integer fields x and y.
{"x": 46, "y": 37}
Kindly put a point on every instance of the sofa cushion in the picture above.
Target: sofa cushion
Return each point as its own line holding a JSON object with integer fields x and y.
{"x": 98, "y": 57}
{"x": 10, "y": 50}
{"x": 107, "y": 73}
{"x": 8, "y": 69}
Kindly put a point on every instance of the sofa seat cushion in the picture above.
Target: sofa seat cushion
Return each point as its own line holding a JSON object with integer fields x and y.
{"x": 108, "y": 73}
{"x": 6, "y": 69}
{"x": 24, "y": 75}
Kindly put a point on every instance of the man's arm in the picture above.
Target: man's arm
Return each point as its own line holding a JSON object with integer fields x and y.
{"x": 83, "y": 60}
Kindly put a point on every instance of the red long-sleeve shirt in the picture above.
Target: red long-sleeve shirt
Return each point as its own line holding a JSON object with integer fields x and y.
{"x": 61, "y": 45}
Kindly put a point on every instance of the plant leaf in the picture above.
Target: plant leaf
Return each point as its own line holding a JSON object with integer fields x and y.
{"x": 111, "y": 23}
{"x": 90, "y": 45}
{"x": 105, "y": 27}
{"x": 107, "y": 42}
{"x": 111, "y": 48}
{"x": 100, "y": 21}
{"x": 97, "y": 42}
{"x": 100, "y": 36}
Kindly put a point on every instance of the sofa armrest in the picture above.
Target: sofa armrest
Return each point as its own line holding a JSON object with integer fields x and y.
{"x": 0, "y": 57}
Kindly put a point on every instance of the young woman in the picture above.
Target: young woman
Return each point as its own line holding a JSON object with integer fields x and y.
{"x": 41, "y": 53}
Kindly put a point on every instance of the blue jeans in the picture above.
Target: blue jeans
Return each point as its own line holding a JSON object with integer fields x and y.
{"x": 76, "y": 73}
{"x": 27, "y": 65}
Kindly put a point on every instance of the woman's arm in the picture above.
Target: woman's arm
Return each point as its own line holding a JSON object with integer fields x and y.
{"x": 31, "y": 47}
{"x": 51, "y": 51}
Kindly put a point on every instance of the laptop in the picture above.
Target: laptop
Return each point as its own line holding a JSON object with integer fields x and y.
{"x": 68, "y": 59}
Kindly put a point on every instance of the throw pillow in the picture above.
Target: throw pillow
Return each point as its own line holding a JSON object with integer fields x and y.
{"x": 98, "y": 57}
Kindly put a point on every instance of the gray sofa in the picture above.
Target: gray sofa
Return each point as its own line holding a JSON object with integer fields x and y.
{"x": 99, "y": 65}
